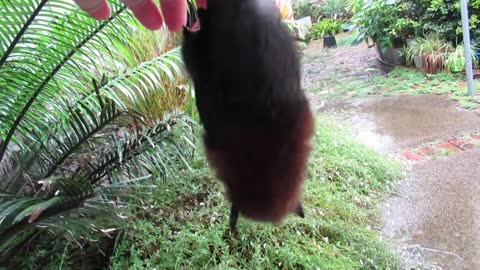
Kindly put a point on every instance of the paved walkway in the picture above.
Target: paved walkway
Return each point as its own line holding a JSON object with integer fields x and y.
{"x": 434, "y": 216}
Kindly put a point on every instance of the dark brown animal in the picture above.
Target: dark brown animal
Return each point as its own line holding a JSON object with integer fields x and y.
{"x": 257, "y": 120}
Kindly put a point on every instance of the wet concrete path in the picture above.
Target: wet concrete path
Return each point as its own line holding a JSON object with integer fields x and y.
{"x": 434, "y": 215}
{"x": 435, "y": 218}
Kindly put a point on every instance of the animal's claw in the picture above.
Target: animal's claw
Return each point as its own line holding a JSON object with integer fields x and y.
{"x": 234, "y": 213}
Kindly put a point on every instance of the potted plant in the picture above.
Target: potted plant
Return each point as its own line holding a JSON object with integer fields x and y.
{"x": 433, "y": 51}
{"x": 455, "y": 61}
{"x": 326, "y": 28}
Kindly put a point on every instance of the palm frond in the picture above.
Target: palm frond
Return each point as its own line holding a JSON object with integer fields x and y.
{"x": 19, "y": 18}
{"x": 87, "y": 119}
{"x": 70, "y": 148}
{"x": 149, "y": 75}
{"x": 134, "y": 153}
{"x": 58, "y": 32}
{"x": 20, "y": 213}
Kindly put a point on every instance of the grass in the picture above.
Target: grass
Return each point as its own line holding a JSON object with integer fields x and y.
{"x": 402, "y": 81}
{"x": 184, "y": 225}
{"x": 347, "y": 38}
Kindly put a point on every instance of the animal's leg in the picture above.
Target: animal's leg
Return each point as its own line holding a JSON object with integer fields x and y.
{"x": 299, "y": 210}
{"x": 234, "y": 213}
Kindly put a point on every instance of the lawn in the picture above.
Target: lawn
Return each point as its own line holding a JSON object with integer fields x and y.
{"x": 401, "y": 80}
{"x": 185, "y": 223}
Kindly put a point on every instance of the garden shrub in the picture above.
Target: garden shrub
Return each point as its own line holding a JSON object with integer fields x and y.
{"x": 386, "y": 24}
{"x": 325, "y": 27}
{"x": 324, "y": 9}
{"x": 335, "y": 8}
{"x": 304, "y": 8}
{"x": 444, "y": 17}
{"x": 391, "y": 24}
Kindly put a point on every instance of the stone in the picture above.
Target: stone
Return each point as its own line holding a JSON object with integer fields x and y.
{"x": 469, "y": 146}
{"x": 412, "y": 156}
{"x": 450, "y": 147}
{"x": 304, "y": 26}
{"x": 457, "y": 142}
{"x": 475, "y": 136}
{"x": 427, "y": 150}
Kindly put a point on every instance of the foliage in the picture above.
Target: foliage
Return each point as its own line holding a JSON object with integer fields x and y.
{"x": 433, "y": 51}
{"x": 444, "y": 18}
{"x": 304, "y": 8}
{"x": 402, "y": 19}
{"x": 154, "y": 101}
{"x": 189, "y": 230}
{"x": 154, "y": 104}
{"x": 335, "y": 9}
{"x": 476, "y": 41}
{"x": 325, "y": 27}
{"x": 385, "y": 23}
{"x": 455, "y": 61}
{"x": 70, "y": 144}
{"x": 437, "y": 54}
{"x": 355, "y": 6}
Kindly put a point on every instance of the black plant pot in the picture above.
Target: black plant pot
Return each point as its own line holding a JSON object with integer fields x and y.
{"x": 329, "y": 42}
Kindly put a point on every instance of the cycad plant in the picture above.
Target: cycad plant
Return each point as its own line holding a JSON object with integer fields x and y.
{"x": 71, "y": 142}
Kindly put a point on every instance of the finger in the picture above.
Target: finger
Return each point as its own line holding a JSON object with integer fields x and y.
{"x": 98, "y": 9}
{"x": 175, "y": 13}
{"x": 146, "y": 12}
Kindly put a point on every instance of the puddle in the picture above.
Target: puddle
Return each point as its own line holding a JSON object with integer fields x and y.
{"x": 393, "y": 123}
{"x": 364, "y": 124}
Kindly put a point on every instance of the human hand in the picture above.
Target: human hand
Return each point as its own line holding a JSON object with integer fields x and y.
{"x": 174, "y": 11}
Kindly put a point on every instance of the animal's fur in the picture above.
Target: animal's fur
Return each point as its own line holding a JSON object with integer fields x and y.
{"x": 257, "y": 120}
